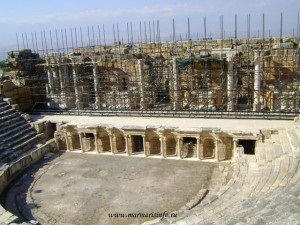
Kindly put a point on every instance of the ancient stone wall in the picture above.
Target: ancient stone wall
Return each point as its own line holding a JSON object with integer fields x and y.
{"x": 215, "y": 75}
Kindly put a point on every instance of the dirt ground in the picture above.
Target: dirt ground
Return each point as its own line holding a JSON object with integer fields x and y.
{"x": 82, "y": 188}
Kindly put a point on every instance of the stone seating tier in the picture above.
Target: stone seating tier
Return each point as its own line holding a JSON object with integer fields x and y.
{"x": 16, "y": 134}
{"x": 264, "y": 188}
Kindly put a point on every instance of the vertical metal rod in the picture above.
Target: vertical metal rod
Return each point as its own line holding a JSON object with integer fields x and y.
{"x": 222, "y": 37}
{"x": 153, "y": 24}
{"x": 114, "y": 34}
{"x": 103, "y": 27}
{"x": 81, "y": 37}
{"x": 72, "y": 39}
{"x": 118, "y": 34}
{"x": 298, "y": 25}
{"x": 141, "y": 39}
{"x": 76, "y": 43}
{"x": 145, "y": 30}
{"x": 99, "y": 35}
{"x": 66, "y": 37}
{"x": 62, "y": 40}
{"x": 127, "y": 33}
{"x": 43, "y": 47}
{"x": 88, "y": 30}
{"x": 280, "y": 27}
{"x": 51, "y": 40}
{"x": 17, "y": 41}
{"x": 57, "y": 45}
{"x": 93, "y": 33}
{"x": 263, "y": 28}
{"x": 26, "y": 40}
{"x": 205, "y": 37}
{"x": 189, "y": 29}
{"x": 248, "y": 27}
{"x": 158, "y": 31}
{"x": 222, "y": 28}
{"x": 150, "y": 30}
{"x": 235, "y": 27}
{"x": 173, "y": 31}
{"x": 46, "y": 46}
{"x": 23, "y": 41}
{"x": 32, "y": 42}
{"x": 36, "y": 44}
{"x": 131, "y": 33}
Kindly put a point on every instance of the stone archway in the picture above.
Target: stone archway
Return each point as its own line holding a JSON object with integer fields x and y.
{"x": 154, "y": 146}
{"x": 170, "y": 146}
{"x": 61, "y": 142}
{"x": 74, "y": 141}
{"x": 103, "y": 141}
{"x": 208, "y": 148}
{"x": 88, "y": 142}
{"x": 189, "y": 147}
{"x": 137, "y": 143}
{"x": 120, "y": 143}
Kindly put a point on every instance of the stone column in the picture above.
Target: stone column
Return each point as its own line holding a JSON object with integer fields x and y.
{"x": 178, "y": 147}
{"x": 216, "y": 150}
{"x": 96, "y": 86}
{"x": 81, "y": 142}
{"x": 56, "y": 83}
{"x": 142, "y": 84}
{"x": 144, "y": 146}
{"x": 257, "y": 78}
{"x": 162, "y": 146}
{"x": 50, "y": 78}
{"x": 175, "y": 85}
{"x": 112, "y": 143}
{"x": 198, "y": 148}
{"x": 62, "y": 77}
{"x": 96, "y": 143}
{"x": 127, "y": 145}
{"x": 67, "y": 142}
{"x": 230, "y": 81}
{"x": 76, "y": 88}
{"x": 234, "y": 153}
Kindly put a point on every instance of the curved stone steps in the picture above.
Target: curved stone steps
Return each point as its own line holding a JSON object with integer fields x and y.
{"x": 8, "y": 117}
{"x": 4, "y": 106}
{"x": 6, "y": 112}
{"x": 251, "y": 198}
{"x": 284, "y": 141}
{"x": 10, "y": 123}
{"x": 227, "y": 198}
{"x": 282, "y": 167}
{"x": 13, "y": 130}
{"x": 238, "y": 201}
{"x": 294, "y": 142}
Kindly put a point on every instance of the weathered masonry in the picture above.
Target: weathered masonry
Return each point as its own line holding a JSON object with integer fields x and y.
{"x": 257, "y": 75}
{"x": 165, "y": 142}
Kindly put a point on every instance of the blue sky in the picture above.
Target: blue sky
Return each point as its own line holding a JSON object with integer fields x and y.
{"x": 31, "y": 16}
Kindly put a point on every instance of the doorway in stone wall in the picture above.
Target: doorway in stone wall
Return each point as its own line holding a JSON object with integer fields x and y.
{"x": 248, "y": 145}
{"x": 208, "y": 148}
{"x": 189, "y": 146}
{"x": 137, "y": 143}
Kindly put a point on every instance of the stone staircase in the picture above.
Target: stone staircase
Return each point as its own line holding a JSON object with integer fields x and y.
{"x": 264, "y": 189}
{"x": 16, "y": 135}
